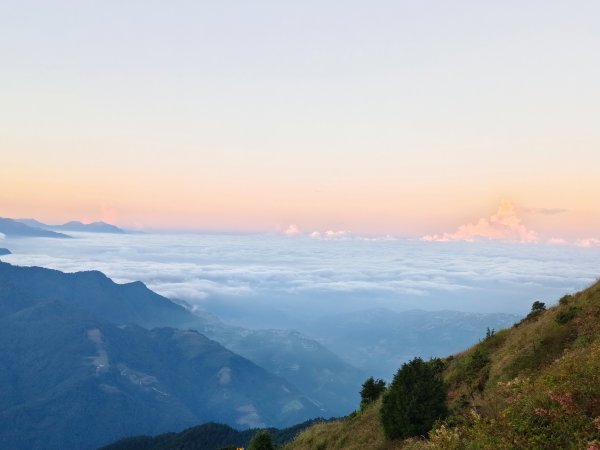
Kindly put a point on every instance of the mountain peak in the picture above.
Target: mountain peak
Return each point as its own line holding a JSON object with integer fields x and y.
{"x": 93, "y": 227}
{"x": 14, "y": 228}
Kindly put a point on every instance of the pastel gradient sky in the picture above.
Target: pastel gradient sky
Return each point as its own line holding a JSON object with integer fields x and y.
{"x": 410, "y": 118}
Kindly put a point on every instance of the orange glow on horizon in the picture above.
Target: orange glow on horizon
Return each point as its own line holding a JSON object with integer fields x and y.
{"x": 248, "y": 206}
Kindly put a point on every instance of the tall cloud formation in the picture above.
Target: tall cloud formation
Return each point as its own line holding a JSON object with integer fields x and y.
{"x": 505, "y": 225}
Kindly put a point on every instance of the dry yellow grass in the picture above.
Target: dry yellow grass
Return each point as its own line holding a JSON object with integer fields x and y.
{"x": 363, "y": 431}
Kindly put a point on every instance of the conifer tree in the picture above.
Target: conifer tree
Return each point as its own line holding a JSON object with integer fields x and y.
{"x": 371, "y": 390}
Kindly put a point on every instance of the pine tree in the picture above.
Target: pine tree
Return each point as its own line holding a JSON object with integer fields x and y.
{"x": 538, "y": 306}
{"x": 371, "y": 390}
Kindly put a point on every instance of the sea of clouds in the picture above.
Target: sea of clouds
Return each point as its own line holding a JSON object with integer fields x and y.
{"x": 278, "y": 280}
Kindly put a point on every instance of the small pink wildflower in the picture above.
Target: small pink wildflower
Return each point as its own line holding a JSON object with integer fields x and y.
{"x": 565, "y": 400}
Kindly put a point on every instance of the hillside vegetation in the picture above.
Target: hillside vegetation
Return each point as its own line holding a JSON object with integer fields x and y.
{"x": 533, "y": 386}
{"x": 209, "y": 436}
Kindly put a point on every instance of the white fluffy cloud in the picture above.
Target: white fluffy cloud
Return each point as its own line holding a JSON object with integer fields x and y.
{"x": 504, "y": 225}
{"x": 2, "y": 236}
{"x": 332, "y": 235}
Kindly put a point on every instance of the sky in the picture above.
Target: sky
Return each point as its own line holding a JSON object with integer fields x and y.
{"x": 442, "y": 120}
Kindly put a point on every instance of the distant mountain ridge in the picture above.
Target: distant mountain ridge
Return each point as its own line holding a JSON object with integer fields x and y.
{"x": 5, "y": 251}
{"x": 74, "y": 379}
{"x": 316, "y": 371}
{"x": 380, "y": 340}
{"x": 32, "y": 223}
{"x": 13, "y": 228}
{"x": 94, "y": 227}
{"x": 74, "y": 225}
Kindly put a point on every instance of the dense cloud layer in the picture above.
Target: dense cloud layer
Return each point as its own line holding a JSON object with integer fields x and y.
{"x": 298, "y": 276}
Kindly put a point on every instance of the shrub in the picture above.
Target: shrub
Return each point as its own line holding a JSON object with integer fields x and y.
{"x": 536, "y": 309}
{"x": 415, "y": 399}
{"x": 477, "y": 361}
{"x": 476, "y": 369}
{"x": 565, "y": 299}
{"x": 538, "y": 306}
{"x": 261, "y": 441}
{"x": 566, "y": 315}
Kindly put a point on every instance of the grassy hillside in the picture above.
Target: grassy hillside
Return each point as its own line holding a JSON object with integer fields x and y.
{"x": 533, "y": 386}
{"x": 361, "y": 430}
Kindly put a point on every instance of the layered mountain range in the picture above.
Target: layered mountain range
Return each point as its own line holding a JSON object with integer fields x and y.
{"x": 35, "y": 228}
{"x": 85, "y": 361}
{"x": 380, "y": 340}
{"x": 14, "y": 228}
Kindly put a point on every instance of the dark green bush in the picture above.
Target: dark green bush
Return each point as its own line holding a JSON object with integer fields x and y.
{"x": 477, "y": 361}
{"x": 537, "y": 308}
{"x": 566, "y": 315}
{"x": 415, "y": 400}
{"x": 261, "y": 441}
{"x": 565, "y": 299}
